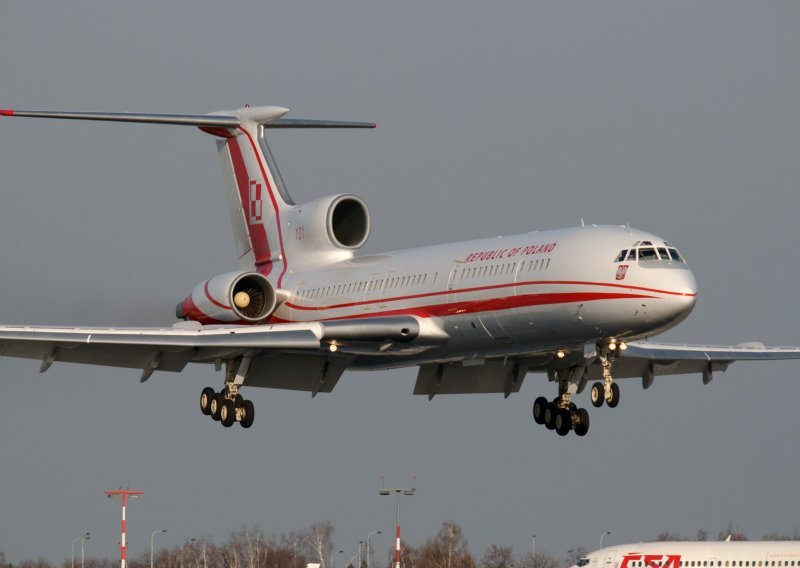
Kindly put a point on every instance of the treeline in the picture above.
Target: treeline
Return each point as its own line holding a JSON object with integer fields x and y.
{"x": 250, "y": 548}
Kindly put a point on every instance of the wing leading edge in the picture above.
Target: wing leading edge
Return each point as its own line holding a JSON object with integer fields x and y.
{"x": 172, "y": 348}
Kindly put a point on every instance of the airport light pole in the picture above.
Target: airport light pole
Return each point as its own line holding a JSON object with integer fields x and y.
{"x": 533, "y": 547}
{"x": 72, "y": 548}
{"x": 124, "y": 493}
{"x": 398, "y": 491}
{"x": 152, "y": 536}
{"x": 605, "y": 534}
{"x": 360, "y": 544}
{"x": 369, "y": 535}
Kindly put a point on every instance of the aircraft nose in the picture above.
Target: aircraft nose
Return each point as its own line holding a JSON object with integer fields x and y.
{"x": 685, "y": 285}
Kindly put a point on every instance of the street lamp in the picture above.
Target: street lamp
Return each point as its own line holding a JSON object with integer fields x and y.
{"x": 369, "y": 535}
{"x": 81, "y": 538}
{"x": 151, "y": 544}
{"x": 405, "y": 491}
{"x": 605, "y": 534}
{"x": 360, "y": 542}
{"x": 533, "y": 546}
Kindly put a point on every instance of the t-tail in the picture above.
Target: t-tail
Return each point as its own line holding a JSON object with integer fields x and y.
{"x": 261, "y": 209}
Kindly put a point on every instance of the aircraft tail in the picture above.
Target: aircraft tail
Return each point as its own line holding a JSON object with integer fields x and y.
{"x": 256, "y": 194}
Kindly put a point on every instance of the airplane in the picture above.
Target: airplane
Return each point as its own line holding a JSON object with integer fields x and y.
{"x": 693, "y": 554}
{"x": 577, "y": 304}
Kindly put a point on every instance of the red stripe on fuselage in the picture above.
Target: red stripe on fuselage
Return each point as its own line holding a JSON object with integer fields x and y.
{"x": 491, "y": 304}
{"x": 258, "y": 233}
{"x": 481, "y": 289}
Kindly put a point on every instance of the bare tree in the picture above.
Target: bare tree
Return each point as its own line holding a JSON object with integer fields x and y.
{"x": 498, "y": 557}
{"x": 702, "y": 535}
{"x": 448, "y": 549}
{"x": 539, "y": 560}
{"x": 776, "y": 536}
{"x": 575, "y": 554}
{"x": 667, "y": 536}
{"x": 318, "y": 542}
{"x": 735, "y": 532}
{"x": 38, "y": 563}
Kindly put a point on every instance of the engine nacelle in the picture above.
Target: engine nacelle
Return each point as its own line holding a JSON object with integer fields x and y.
{"x": 337, "y": 223}
{"x": 231, "y": 297}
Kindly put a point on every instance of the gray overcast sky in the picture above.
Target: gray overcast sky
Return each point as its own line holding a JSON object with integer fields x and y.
{"x": 494, "y": 118}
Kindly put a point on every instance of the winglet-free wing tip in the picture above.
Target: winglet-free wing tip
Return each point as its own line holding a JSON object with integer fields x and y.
{"x": 6, "y": 112}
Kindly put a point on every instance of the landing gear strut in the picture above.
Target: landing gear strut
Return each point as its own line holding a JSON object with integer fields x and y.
{"x": 561, "y": 414}
{"x": 228, "y": 406}
{"x": 607, "y": 390}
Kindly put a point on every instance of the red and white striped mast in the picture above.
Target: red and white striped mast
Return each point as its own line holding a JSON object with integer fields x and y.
{"x": 398, "y": 491}
{"x": 124, "y": 493}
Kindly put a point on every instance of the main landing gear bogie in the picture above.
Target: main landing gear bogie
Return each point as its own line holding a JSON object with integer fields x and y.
{"x": 560, "y": 416}
{"x": 227, "y": 407}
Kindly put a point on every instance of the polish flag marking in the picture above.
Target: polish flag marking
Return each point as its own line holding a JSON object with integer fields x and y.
{"x": 256, "y": 203}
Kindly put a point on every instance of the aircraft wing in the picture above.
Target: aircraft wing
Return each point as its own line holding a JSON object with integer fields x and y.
{"x": 171, "y": 348}
{"x": 646, "y": 360}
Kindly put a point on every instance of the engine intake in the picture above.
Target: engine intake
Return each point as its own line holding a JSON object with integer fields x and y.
{"x": 348, "y": 222}
{"x": 230, "y": 297}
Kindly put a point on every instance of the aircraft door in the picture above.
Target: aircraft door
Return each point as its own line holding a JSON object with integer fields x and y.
{"x": 451, "y": 280}
{"x": 611, "y": 558}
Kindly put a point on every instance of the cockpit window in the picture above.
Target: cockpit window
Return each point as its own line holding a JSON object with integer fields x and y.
{"x": 673, "y": 253}
{"x": 647, "y": 254}
{"x": 583, "y": 562}
{"x": 645, "y": 250}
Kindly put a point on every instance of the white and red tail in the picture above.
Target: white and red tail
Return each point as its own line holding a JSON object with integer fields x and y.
{"x": 257, "y": 197}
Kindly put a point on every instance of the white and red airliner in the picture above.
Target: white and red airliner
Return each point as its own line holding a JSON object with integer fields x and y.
{"x": 690, "y": 554}
{"x": 476, "y": 317}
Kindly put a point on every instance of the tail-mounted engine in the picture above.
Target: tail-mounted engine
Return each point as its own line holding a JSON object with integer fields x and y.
{"x": 233, "y": 297}
{"x": 337, "y": 223}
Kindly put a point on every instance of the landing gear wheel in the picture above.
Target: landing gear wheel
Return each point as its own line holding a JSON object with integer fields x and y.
{"x": 215, "y": 406}
{"x": 205, "y": 400}
{"x": 563, "y": 422}
{"x": 582, "y": 422}
{"x": 227, "y": 414}
{"x": 550, "y": 412}
{"x": 248, "y": 411}
{"x": 598, "y": 394}
{"x": 614, "y": 400}
{"x": 539, "y": 406}
{"x": 237, "y": 400}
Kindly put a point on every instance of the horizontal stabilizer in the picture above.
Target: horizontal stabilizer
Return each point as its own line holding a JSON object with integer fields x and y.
{"x": 269, "y": 116}
{"x": 181, "y": 119}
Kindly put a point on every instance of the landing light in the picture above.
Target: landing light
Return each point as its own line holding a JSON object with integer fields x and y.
{"x": 623, "y": 346}
{"x": 333, "y": 347}
{"x": 560, "y": 354}
{"x": 612, "y": 346}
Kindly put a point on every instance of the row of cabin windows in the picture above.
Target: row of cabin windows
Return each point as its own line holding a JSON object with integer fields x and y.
{"x": 719, "y": 563}
{"x": 508, "y": 268}
{"x": 363, "y": 286}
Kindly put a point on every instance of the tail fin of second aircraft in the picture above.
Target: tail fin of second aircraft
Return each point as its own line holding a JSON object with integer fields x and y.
{"x": 256, "y": 194}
